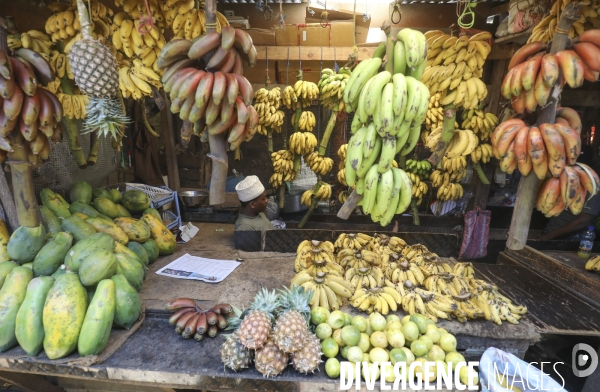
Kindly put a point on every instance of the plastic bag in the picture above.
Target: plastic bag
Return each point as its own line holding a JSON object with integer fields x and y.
{"x": 512, "y": 371}
{"x": 272, "y": 211}
{"x": 475, "y": 234}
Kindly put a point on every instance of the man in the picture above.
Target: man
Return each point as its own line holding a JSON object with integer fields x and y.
{"x": 567, "y": 226}
{"x": 253, "y": 198}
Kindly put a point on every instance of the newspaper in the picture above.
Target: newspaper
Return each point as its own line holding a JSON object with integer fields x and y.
{"x": 198, "y": 268}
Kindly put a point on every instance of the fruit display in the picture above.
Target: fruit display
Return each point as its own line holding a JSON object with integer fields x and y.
{"x": 266, "y": 104}
{"x": 64, "y": 24}
{"x": 378, "y": 339}
{"x": 331, "y": 87}
{"x": 273, "y": 332}
{"x": 317, "y": 163}
{"x": 306, "y": 121}
{"x": 283, "y": 168}
{"x": 219, "y": 98}
{"x": 419, "y": 188}
{"x": 192, "y": 321}
{"x": 183, "y": 17}
{"x": 544, "y": 30}
{"x": 593, "y": 264}
{"x": 321, "y": 191}
{"x": 35, "y": 112}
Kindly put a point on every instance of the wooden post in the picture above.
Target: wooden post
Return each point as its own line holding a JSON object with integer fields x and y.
{"x": 169, "y": 140}
{"x": 527, "y": 190}
{"x": 8, "y": 204}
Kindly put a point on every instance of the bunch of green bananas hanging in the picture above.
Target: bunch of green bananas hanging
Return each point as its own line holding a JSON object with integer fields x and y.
{"x": 324, "y": 193}
{"x": 318, "y": 164}
{"x": 420, "y": 168}
{"x": 480, "y": 122}
{"x": 302, "y": 142}
{"x": 456, "y": 167}
{"x": 306, "y": 122}
{"x": 482, "y": 153}
{"x": 463, "y": 142}
{"x": 283, "y": 168}
{"x": 302, "y": 91}
{"x": 331, "y": 87}
{"x": 267, "y": 106}
{"x": 454, "y": 66}
{"x": 419, "y": 188}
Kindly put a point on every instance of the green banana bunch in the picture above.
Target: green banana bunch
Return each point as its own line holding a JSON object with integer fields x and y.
{"x": 332, "y": 86}
{"x": 420, "y": 168}
{"x": 386, "y": 194}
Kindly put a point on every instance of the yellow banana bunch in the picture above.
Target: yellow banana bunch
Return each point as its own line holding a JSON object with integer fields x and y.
{"x": 73, "y": 105}
{"x": 341, "y": 177}
{"x": 33, "y": 39}
{"x": 328, "y": 289}
{"x": 138, "y": 41}
{"x": 186, "y": 20}
{"x": 136, "y": 81}
{"x": 303, "y": 91}
{"x": 482, "y": 153}
{"x": 306, "y": 121}
{"x": 309, "y": 250}
{"x": 283, "y": 168}
{"x": 593, "y": 264}
{"x": 289, "y": 98}
{"x": 318, "y": 164}
{"x": 302, "y": 142}
{"x": 479, "y": 122}
{"x": 137, "y": 8}
{"x": 447, "y": 190}
{"x": 267, "y": 106}
{"x": 419, "y": 191}
{"x": 545, "y": 29}
{"x": 456, "y": 167}
{"x": 451, "y": 191}
{"x": 354, "y": 241}
{"x": 64, "y": 24}
{"x": 324, "y": 193}
{"x": 435, "y": 113}
{"x": 331, "y": 87}
{"x": 365, "y": 277}
{"x": 378, "y": 299}
{"x": 343, "y": 196}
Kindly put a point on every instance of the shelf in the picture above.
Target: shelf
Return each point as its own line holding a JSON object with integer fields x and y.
{"x": 310, "y": 53}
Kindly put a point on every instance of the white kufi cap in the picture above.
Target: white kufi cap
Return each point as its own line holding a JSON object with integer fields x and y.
{"x": 249, "y": 188}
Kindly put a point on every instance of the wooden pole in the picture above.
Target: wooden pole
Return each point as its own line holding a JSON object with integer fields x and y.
{"x": 169, "y": 140}
{"x": 527, "y": 190}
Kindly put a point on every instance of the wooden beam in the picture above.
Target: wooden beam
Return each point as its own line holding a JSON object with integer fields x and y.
{"x": 502, "y": 52}
{"x": 499, "y": 68}
{"x": 585, "y": 98}
{"x": 500, "y": 9}
{"x": 169, "y": 140}
{"x": 306, "y": 53}
{"x": 29, "y": 382}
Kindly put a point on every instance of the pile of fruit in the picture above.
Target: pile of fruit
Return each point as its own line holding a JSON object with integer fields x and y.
{"x": 192, "y": 321}
{"x": 67, "y": 282}
{"x": 376, "y": 339}
{"x": 544, "y": 30}
{"x": 383, "y": 274}
{"x": 273, "y": 332}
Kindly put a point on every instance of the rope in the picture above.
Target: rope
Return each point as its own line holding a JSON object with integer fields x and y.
{"x": 145, "y": 21}
{"x": 465, "y": 13}
{"x": 395, "y": 10}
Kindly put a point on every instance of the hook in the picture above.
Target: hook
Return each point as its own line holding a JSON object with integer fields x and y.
{"x": 324, "y": 19}
{"x": 396, "y": 11}
{"x": 267, "y": 12}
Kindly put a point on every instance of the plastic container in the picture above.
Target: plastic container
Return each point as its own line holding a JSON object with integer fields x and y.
{"x": 159, "y": 196}
{"x": 586, "y": 243}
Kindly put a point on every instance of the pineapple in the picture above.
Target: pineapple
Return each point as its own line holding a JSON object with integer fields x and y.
{"x": 269, "y": 360}
{"x": 308, "y": 358}
{"x": 255, "y": 327}
{"x": 292, "y": 325}
{"x": 234, "y": 355}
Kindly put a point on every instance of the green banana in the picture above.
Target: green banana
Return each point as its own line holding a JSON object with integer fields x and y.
{"x": 361, "y": 111}
{"x": 360, "y": 186}
{"x": 413, "y": 138}
{"x": 367, "y": 163}
{"x": 371, "y": 183}
{"x": 386, "y": 112}
{"x": 388, "y": 151}
{"x": 400, "y": 95}
{"x": 370, "y": 140}
{"x": 384, "y": 191}
{"x": 417, "y": 71}
{"x": 413, "y": 88}
{"x": 405, "y": 193}
{"x": 356, "y": 124}
{"x": 361, "y": 74}
{"x": 399, "y": 58}
{"x": 374, "y": 92}
{"x": 402, "y": 134}
{"x": 411, "y": 46}
{"x": 394, "y": 199}
{"x": 354, "y": 155}
{"x": 423, "y": 105}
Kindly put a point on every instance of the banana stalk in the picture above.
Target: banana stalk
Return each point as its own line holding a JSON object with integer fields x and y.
{"x": 312, "y": 207}
{"x": 297, "y": 157}
{"x": 389, "y": 48}
{"x": 237, "y": 154}
{"x": 327, "y": 135}
{"x": 282, "y": 196}
{"x": 447, "y": 133}
{"x": 93, "y": 154}
{"x": 149, "y": 127}
{"x": 117, "y": 144}
{"x": 415, "y": 210}
{"x": 270, "y": 139}
{"x": 482, "y": 177}
{"x": 22, "y": 182}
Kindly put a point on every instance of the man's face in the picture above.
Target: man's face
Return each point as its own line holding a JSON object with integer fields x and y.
{"x": 260, "y": 203}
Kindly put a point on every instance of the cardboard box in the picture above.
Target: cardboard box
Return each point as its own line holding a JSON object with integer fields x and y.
{"x": 258, "y": 73}
{"x": 313, "y": 34}
{"x": 288, "y": 36}
{"x": 341, "y": 35}
{"x": 262, "y": 36}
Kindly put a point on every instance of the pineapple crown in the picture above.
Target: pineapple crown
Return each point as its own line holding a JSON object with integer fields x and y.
{"x": 295, "y": 299}
{"x": 266, "y": 301}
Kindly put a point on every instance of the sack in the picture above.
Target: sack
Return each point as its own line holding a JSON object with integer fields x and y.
{"x": 475, "y": 234}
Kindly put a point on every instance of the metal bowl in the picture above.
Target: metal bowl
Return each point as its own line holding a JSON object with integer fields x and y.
{"x": 194, "y": 198}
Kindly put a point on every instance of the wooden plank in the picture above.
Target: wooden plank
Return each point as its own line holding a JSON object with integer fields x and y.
{"x": 500, "y": 9}
{"x": 518, "y": 38}
{"x": 29, "y": 382}
{"x": 169, "y": 140}
{"x": 586, "y": 98}
{"x": 304, "y": 53}
{"x": 499, "y": 69}
{"x": 502, "y": 51}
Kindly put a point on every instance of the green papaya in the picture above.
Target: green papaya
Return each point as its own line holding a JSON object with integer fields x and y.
{"x": 86, "y": 209}
{"x": 52, "y": 255}
{"x": 99, "y": 265}
{"x": 50, "y": 220}
{"x": 85, "y": 247}
{"x": 151, "y": 249}
{"x": 25, "y": 243}
{"x": 131, "y": 269}
{"x": 4, "y": 237}
{"x": 106, "y": 206}
{"x": 139, "y": 250}
{"x": 98, "y": 320}
{"x": 12, "y": 295}
{"x": 100, "y": 192}
{"x": 61, "y": 270}
{"x": 90, "y": 293}
{"x": 137, "y": 230}
{"x": 78, "y": 227}
{"x": 154, "y": 212}
{"x": 123, "y": 213}
{"x": 5, "y": 268}
{"x": 115, "y": 196}
{"x": 120, "y": 248}
{"x": 81, "y": 191}
{"x": 108, "y": 227}
{"x": 128, "y": 303}
{"x": 29, "y": 329}
{"x": 80, "y": 215}
{"x": 28, "y": 265}
{"x": 136, "y": 201}
{"x": 55, "y": 203}
{"x": 64, "y": 311}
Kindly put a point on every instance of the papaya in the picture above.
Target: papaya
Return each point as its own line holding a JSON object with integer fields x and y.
{"x": 78, "y": 227}
{"x": 5, "y": 268}
{"x": 55, "y": 203}
{"x": 52, "y": 255}
{"x": 98, "y": 320}
{"x": 108, "y": 227}
{"x": 28, "y": 265}
{"x": 61, "y": 270}
{"x": 29, "y": 329}
{"x": 80, "y": 215}
{"x": 136, "y": 201}
{"x": 152, "y": 211}
{"x": 100, "y": 192}
{"x": 82, "y": 249}
{"x": 131, "y": 269}
{"x": 62, "y": 200}
{"x": 120, "y": 248}
{"x": 151, "y": 249}
{"x": 64, "y": 311}
{"x": 86, "y": 209}
{"x": 123, "y": 213}
{"x": 12, "y": 295}
{"x": 137, "y": 230}
{"x": 128, "y": 303}
{"x": 99, "y": 265}
{"x": 115, "y": 196}
{"x": 4, "y": 237}
{"x": 25, "y": 243}
{"x": 81, "y": 191}
{"x": 139, "y": 250}
{"x": 90, "y": 294}
{"x": 164, "y": 238}
{"x": 106, "y": 206}
{"x": 50, "y": 220}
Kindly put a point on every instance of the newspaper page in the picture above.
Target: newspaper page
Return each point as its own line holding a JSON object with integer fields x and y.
{"x": 198, "y": 268}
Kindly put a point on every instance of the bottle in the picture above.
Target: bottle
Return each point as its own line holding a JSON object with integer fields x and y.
{"x": 587, "y": 241}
